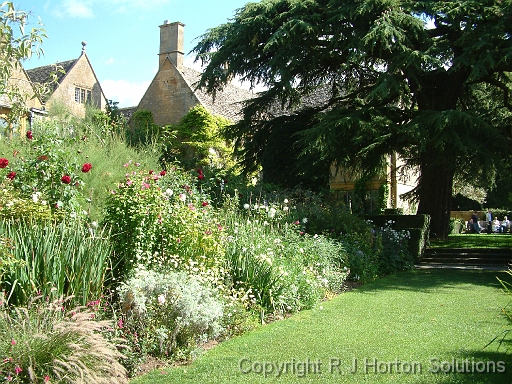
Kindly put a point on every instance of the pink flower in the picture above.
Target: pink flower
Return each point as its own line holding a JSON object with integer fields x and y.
{"x": 18, "y": 369}
{"x": 86, "y": 167}
{"x": 163, "y": 173}
{"x": 11, "y": 175}
{"x": 46, "y": 379}
{"x": 4, "y": 162}
{"x": 146, "y": 186}
{"x": 129, "y": 182}
{"x": 65, "y": 179}
{"x": 13, "y": 342}
{"x": 29, "y": 135}
{"x": 120, "y": 323}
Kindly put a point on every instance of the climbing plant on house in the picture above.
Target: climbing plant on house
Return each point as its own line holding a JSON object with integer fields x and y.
{"x": 197, "y": 140}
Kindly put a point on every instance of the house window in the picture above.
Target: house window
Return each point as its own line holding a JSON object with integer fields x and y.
{"x": 83, "y": 95}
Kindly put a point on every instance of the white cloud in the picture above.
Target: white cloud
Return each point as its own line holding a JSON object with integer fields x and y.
{"x": 84, "y": 9}
{"x": 110, "y": 61}
{"x": 74, "y": 8}
{"x": 138, "y": 3}
{"x": 126, "y": 93}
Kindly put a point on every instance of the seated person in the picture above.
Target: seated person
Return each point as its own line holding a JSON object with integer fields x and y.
{"x": 474, "y": 225}
{"x": 496, "y": 225}
{"x": 505, "y": 225}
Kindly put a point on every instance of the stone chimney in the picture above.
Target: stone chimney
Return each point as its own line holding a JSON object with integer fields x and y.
{"x": 171, "y": 43}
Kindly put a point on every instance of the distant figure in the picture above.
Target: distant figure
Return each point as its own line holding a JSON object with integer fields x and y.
{"x": 496, "y": 225}
{"x": 474, "y": 226}
{"x": 488, "y": 218}
{"x": 505, "y": 224}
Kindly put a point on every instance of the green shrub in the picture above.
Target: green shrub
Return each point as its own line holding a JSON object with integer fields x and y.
{"x": 162, "y": 220}
{"x": 44, "y": 343}
{"x": 15, "y": 207}
{"x": 362, "y": 258}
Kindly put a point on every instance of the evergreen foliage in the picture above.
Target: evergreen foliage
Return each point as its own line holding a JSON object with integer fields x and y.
{"x": 426, "y": 80}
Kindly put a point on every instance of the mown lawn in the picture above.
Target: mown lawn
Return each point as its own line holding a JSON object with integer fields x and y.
{"x": 419, "y": 323}
{"x": 468, "y": 240}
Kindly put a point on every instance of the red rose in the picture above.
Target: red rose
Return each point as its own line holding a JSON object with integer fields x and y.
{"x": 200, "y": 177}
{"x": 163, "y": 173}
{"x": 204, "y": 204}
{"x": 65, "y": 179}
{"x": 151, "y": 172}
{"x": 86, "y": 167}
{"x": 29, "y": 135}
{"x": 11, "y": 175}
{"x": 4, "y": 162}
{"x": 200, "y": 171}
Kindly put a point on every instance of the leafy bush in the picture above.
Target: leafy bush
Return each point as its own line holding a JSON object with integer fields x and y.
{"x": 378, "y": 252}
{"x": 15, "y": 207}
{"x": 47, "y": 167}
{"x": 44, "y": 343}
{"x": 162, "y": 220}
{"x": 362, "y": 258}
{"x": 170, "y": 311}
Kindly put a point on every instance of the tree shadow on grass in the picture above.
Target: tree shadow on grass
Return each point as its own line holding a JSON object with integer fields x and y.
{"x": 488, "y": 366}
{"x": 425, "y": 280}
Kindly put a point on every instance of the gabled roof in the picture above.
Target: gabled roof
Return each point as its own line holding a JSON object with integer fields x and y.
{"x": 228, "y": 103}
{"x": 45, "y": 74}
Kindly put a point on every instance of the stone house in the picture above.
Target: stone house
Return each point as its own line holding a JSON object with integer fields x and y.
{"x": 398, "y": 182}
{"x": 19, "y": 81}
{"x": 71, "y": 82}
{"x": 172, "y": 93}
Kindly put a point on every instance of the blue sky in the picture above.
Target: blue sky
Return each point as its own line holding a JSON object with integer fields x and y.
{"x": 122, "y": 36}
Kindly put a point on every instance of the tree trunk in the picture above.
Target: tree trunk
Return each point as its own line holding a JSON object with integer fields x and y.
{"x": 435, "y": 191}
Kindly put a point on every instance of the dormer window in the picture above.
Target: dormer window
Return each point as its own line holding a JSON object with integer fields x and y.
{"x": 82, "y": 95}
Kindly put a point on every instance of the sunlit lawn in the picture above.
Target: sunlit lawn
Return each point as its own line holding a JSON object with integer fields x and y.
{"x": 474, "y": 241}
{"x": 405, "y": 328}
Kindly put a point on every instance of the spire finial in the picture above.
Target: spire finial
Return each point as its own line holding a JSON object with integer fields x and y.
{"x": 83, "y": 46}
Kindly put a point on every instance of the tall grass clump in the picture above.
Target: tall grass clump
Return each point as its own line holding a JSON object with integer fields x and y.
{"x": 55, "y": 260}
{"x": 41, "y": 342}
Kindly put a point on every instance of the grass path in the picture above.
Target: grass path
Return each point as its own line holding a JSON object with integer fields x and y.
{"x": 413, "y": 322}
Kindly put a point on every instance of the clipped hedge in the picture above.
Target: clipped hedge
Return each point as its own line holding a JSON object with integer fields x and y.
{"x": 417, "y": 225}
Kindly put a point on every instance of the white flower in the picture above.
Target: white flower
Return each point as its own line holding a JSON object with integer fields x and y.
{"x": 271, "y": 213}
{"x": 161, "y": 299}
{"x": 168, "y": 192}
{"x": 183, "y": 197}
{"x": 94, "y": 224}
{"x": 305, "y": 220}
{"x": 286, "y": 201}
{"x": 285, "y": 209}
{"x": 246, "y": 206}
{"x": 35, "y": 196}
